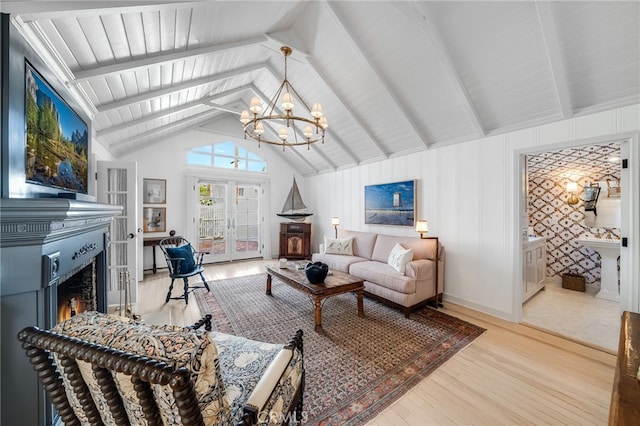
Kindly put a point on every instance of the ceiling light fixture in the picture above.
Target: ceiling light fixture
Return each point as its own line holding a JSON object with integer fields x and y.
{"x": 312, "y": 129}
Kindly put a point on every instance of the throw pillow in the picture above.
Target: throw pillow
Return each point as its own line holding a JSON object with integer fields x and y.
{"x": 178, "y": 346}
{"x": 338, "y": 246}
{"x": 399, "y": 257}
{"x": 187, "y": 262}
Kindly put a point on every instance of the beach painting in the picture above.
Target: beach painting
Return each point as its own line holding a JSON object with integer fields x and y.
{"x": 390, "y": 203}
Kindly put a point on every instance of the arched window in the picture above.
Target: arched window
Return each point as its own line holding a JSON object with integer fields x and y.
{"x": 226, "y": 155}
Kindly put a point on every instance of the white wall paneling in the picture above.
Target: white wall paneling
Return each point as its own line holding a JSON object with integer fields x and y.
{"x": 469, "y": 194}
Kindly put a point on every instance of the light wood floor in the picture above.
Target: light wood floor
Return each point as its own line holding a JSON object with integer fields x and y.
{"x": 511, "y": 374}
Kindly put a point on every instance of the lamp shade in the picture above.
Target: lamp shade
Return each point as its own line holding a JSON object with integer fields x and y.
{"x": 421, "y": 226}
{"x": 287, "y": 102}
{"x": 572, "y": 187}
{"x": 335, "y": 220}
{"x": 256, "y": 105}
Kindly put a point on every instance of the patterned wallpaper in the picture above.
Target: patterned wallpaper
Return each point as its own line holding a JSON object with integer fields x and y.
{"x": 551, "y": 216}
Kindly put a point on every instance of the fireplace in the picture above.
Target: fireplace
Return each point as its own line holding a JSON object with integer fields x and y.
{"x": 54, "y": 261}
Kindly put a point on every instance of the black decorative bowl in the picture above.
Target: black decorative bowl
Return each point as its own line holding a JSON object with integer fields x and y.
{"x": 316, "y": 272}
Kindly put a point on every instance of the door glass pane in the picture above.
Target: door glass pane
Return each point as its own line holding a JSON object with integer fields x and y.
{"x": 247, "y": 231}
{"x": 213, "y": 218}
{"x": 118, "y": 245}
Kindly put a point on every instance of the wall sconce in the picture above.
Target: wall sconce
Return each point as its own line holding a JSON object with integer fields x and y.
{"x": 422, "y": 228}
{"x": 572, "y": 188}
{"x": 335, "y": 221}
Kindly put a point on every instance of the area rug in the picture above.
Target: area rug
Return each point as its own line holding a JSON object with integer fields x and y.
{"x": 355, "y": 367}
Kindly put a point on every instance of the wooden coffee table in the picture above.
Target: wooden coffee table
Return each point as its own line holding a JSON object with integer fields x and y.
{"x": 337, "y": 283}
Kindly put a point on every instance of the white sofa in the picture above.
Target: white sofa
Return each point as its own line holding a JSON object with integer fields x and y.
{"x": 415, "y": 288}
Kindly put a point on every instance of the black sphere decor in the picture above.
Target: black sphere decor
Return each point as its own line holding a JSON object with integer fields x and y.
{"x": 316, "y": 272}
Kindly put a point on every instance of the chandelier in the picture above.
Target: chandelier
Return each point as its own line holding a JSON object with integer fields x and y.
{"x": 294, "y": 130}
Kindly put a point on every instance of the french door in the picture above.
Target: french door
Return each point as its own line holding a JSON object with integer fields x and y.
{"x": 229, "y": 220}
{"x": 117, "y": 184}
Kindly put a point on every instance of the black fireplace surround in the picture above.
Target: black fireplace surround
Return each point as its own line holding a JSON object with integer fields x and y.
{"x": 43, "y": 242}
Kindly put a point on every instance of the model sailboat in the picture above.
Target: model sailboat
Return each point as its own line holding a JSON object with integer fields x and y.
{"x": 294, "y": 208}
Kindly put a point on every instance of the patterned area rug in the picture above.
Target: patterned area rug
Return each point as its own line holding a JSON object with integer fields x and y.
{"x": 355, "y": 367}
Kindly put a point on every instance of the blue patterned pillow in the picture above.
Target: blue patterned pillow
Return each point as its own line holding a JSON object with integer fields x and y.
{"x": 188, "y": 263}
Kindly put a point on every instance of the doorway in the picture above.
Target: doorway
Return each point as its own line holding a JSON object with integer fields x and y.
{"x": 568, "y": 224}
{"x": 229, "y": 220}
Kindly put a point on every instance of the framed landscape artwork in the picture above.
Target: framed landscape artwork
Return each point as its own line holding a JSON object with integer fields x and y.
{"x": 154, "y": 191}
{"x": 154, "y": 219}
{"x": 390, "y": 203}
{"x": 57, "y": 139}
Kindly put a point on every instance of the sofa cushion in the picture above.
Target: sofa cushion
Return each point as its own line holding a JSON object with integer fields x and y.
{"x": 384, "y": 275}
{"x": 399, "y": 257}
{"x": 178, "y": 346}
{"x": 363, "y": 242}
{"x": 343, "y": 246}
{"x": 422, "y": 248}
{"x": 337, "y": 262}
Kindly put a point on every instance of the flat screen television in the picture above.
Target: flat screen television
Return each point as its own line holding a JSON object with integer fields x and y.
{"x": 57, "y": 139}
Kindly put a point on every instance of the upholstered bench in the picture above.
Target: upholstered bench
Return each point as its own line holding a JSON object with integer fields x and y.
{"x": 106, "y": 369}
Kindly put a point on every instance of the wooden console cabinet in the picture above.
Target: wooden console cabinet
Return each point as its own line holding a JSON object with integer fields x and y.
{"x": 295, "y": 240}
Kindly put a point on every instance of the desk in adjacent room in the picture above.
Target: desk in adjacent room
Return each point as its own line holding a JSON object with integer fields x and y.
{"x": 153, "y": 242}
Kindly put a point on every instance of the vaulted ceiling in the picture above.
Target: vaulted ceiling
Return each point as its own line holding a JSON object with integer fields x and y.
{"x": 394, "y": 77}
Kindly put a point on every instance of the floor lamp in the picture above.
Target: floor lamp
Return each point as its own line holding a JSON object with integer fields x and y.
{"x": 422, "y": 228}
{"x": 335, "y": 221}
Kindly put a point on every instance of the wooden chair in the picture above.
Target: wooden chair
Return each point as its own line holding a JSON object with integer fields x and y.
{"x": 591, "y": 194}
{"x": 613, "y": 188}
{"x": 183, "y": 262}
{"x": 91, "y": 379}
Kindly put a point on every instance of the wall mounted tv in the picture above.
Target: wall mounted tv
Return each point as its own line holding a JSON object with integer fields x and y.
{"x": 57, "y": 139}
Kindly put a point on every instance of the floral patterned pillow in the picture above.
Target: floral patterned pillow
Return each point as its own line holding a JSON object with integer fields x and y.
{"x": 178, "y": 346}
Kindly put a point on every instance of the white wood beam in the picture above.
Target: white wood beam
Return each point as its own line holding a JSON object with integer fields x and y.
{"x": 208, "y": 101}
{"x": 184, "y": 86}
{"x": 34, "y": 35}
{"x": 552, "y": 45}
{"x": 167, "y": 58}
{"x": 335, "y": 14}
{"x": 355, "y": 117}
{"x": 164, "y": 130}
{"x": 33, "y": 10}
{"x": 292, "y": 150}
{"x": 329, "y": 132}
{"x": 307, "y": 58}
{"x": 423, "y": 20}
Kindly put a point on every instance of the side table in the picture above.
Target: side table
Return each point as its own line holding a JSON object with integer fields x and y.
{"x": 153, "y": 242}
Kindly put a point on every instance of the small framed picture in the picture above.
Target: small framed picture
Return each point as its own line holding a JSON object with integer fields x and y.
{"x": 154, "y": 191}
{"x": 154, "y": 219}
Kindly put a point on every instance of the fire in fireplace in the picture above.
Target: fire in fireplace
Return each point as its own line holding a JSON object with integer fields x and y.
{"x": 77, "y": 293}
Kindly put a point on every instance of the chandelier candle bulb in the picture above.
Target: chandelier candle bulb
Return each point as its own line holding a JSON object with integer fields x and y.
{"x": 287, "y": 102}
{"x": 256, "y": 105}
{"x": 316, "y": 111}
{"x": 308, "y": 132}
